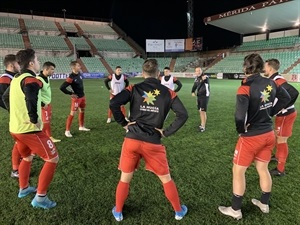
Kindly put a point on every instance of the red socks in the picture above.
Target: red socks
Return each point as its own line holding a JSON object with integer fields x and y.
{"x": 45, "y": 177}
{"x": 24, "y": 172}
{"x": 69, "y": 122}
{"x": 282, "y": 152}
{"x": 81, "y": 119}
{"x": 121, "y": 195}
{"x": 172, "y": 195}
{"x": 15, "y": 157}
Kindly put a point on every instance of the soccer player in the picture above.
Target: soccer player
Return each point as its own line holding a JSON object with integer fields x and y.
{"x": 169, "y": 80}
{"x": 11, "y": 69}
{"x": 25, "y": 126}
{"x": 118, "y": 82}
{"x": 253, "y": 119}
{"x": 284, "y": 120}
{"x": 48, "y": 70}
{"x": 202, "y": 87}
{"x": 150, "y": 102}
{"x": 78, "y": 101}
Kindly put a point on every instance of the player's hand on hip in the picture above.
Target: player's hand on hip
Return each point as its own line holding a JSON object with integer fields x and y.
{"x": 161, "y": 131}
{"x": 38, "y": 125}
{"x": 128, "y": 124}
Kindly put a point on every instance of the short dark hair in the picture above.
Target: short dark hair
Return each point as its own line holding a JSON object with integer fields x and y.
{"x": 9, "y": 58}
{"x": 274, "y": 63}
{"x": 24, "y": 57}
{"x": 167, "y": 68}
{"x": 48, "y": 64}
{"x": 73, "y": 63}
{"x": 118, "y": 67}
{"x": 150, "y": 67}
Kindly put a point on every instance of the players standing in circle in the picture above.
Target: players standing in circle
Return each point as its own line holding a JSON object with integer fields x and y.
{"x": 253, "y": 119}
{"x": 25, "y": 126}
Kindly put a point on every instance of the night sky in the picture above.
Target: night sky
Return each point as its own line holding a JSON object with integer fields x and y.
{"x": 141, "y": 20}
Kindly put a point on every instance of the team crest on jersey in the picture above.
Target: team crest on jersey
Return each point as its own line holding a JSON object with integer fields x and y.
{"x": 265, "y": 95}
{"x": 150, "y": 97}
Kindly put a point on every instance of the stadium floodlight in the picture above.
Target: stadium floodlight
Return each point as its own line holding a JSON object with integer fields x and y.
{"x": 64, "y": 11}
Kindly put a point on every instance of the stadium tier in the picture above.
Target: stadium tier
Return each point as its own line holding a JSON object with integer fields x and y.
{"x": 101, "y": 46}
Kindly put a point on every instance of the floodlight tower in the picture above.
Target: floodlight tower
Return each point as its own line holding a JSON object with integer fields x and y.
{"x": 64, "y": 11}
{"x": 190, "y": 18}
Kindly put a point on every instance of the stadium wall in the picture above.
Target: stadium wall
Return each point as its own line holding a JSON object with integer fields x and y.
{"x": 236, "y": 76}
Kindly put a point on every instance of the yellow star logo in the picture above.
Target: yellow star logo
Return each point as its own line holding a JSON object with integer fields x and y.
{"x": 264, "y": 96}
{"x": 149, "y": 98}
{"x": 156, "y": 92}
{"x": 269, "y": 88}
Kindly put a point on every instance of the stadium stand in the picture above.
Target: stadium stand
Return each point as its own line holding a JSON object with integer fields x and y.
{"x": 9, "y": 22}
{"x": 273, "y": 33}
{"x": 101, "y": 46}
{"x": 41, "y": 25}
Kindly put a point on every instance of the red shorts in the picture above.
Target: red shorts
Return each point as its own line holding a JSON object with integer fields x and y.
{"x": 284, "y": 124}
{"x": 252, "y": 148}
{"x": 154, "y": 156}
{"x": 35, "y": 143}
{"x": 78, "y": 103}
{"x": 47, "y": 114}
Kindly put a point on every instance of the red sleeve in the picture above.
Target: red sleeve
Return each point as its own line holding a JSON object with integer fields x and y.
{"x": 279, "y": 82}
{"x": 69, "y": 80}
{"x": 129, "y": 88}
{"x": 243, "y": 90}
{"x": 5, "y": 80}
{"x": 31, "y": 80}
{"x": 173, "y": 94}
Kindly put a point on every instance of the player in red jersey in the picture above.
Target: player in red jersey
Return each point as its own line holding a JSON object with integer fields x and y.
{"x": 11, "y": 69}
{"x": 25, "y": 126}
{"x": 44, "y": 76}
{"x": 284, "y": 121}
{"x": 150, "y": 102}
{"x": 78, "y": 101}
{"x": 253, "y": 119}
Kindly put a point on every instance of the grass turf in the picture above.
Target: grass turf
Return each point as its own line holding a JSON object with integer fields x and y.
{"x": 200, "y": 163}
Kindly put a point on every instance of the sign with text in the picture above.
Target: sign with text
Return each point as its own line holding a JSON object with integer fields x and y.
{"x": 194, "y": 44}
{"x": 154, "y": 45}
{"x": 174, "y": 45}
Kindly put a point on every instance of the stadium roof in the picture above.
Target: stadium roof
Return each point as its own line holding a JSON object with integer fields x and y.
{"x": 273, "y": 15}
